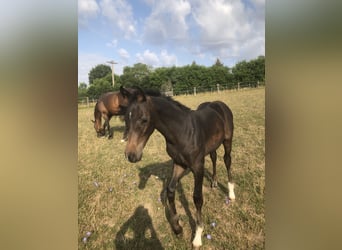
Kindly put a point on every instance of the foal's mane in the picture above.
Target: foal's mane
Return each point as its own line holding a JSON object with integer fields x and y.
{"x": 157, "y": 93}
{"x": 152, "y": 92}
{"x": 176, "y": 103}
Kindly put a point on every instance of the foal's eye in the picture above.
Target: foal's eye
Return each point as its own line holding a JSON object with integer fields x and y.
{"x": 143, "y": 120}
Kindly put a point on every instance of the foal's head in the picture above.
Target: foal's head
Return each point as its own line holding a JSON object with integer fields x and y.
{"x": 139, "y": 122}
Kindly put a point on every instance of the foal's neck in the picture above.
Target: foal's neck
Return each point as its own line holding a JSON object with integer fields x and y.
{"x": 170, "y": 119}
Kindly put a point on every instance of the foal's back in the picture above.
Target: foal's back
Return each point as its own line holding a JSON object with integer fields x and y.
{"x": 222, "y": 111}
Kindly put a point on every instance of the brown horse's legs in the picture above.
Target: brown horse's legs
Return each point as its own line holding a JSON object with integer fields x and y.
{"x": 124, "y": 137}
{"x": 227, "y": 161}
{"x": 213, "y": 157}
{"x": 198, "y": 200}
{"x": 176, "y": 175}
{"x": 110, "y": 136}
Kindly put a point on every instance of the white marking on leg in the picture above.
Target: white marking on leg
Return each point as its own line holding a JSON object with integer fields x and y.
{"x": 197, "y": 242}
{"x": 231, "y": 193}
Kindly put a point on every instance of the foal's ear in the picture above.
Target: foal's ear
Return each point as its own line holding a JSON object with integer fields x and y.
{"x": 124, "y": 92}
{"x": 140, "y": 95}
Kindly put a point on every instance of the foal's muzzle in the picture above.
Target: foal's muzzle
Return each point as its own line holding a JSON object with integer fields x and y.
{"x": 133, "y": 157}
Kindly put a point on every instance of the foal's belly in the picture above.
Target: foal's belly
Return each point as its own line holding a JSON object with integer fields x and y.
{"x": 213, "y": 143}
{"x": 178, "y": 155}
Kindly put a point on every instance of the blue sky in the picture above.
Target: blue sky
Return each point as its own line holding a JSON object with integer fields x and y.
{"x": 168, "y": 32}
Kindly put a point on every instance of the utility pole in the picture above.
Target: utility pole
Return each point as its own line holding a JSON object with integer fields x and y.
{"x": 112, "y": 63}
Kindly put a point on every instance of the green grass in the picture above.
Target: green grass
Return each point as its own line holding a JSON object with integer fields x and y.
{"x": 124, "y": 211}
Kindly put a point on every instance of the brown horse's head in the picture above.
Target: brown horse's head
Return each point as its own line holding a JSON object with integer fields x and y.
{"x": 100, "y": 131}
{"x": 138, "y": 119}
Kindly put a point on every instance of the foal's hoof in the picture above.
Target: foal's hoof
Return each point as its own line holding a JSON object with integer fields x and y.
{"x": 178, "y": 231}
{"x": 110, "y": 137}
{"x": 214, "y": 184}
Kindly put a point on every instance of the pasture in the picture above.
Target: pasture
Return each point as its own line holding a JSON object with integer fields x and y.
{"x": 121, "y": 204}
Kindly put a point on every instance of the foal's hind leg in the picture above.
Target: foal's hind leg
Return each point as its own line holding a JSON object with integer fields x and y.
{"x": 198, "y": 200}
{"x": 227, "y": 161}
{"x": 213, "y": 157}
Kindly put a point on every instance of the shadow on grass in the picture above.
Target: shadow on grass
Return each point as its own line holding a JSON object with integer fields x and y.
{"x": 163, "y": 171}
{"x": 138, "y": 232}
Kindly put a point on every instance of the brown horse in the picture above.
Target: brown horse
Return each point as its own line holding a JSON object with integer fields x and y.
{"x": 190, "y": 136}
{"x": 108, "y": 105}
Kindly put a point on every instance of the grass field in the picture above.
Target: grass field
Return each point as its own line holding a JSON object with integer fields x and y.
{"x": 119, "y": 202}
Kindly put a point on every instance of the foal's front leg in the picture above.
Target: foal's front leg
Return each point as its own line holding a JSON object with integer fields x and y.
{"x": 176, "y": 175}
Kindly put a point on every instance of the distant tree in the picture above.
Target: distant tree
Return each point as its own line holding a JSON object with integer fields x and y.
{"x": 82, "y": 90}
{"x": 221, "y": 75}
{"x": 99, "y": 87}
{"x": 167, "y": 86}
{"x": 218, "y": 63}
{"x": 138, "y": 75}
{"x": 98, "y": 72}
{"x": 252, "y": 71}
{"x": 259, "y": 68}
{"x": 181, "y": 79}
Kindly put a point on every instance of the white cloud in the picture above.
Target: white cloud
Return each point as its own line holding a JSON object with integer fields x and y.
{"x": 87, "y": 9}
{"x": 221, "y": 22}
{"x": 148, "y": 58}
{"x": 120, "y": 15}
{"x": 157, "y": 60}
{"x": 166, "y": 59}
{"x": 167, "y": 21}
{"x": 219, "y": 28}
{"x": 124, "y": 55}
{"x": 229, "y": 28}
{"x": 113, "y": 43}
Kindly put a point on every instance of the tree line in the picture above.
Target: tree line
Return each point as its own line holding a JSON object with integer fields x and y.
{"x": 178, "y": 79}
